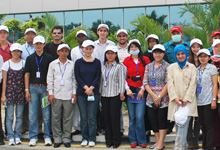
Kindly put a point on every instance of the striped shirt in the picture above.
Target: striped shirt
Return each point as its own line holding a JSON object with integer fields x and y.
{"x": 112, "y": 80}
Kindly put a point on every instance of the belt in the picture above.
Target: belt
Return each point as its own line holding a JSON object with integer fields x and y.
{"x": 38, "y": 85}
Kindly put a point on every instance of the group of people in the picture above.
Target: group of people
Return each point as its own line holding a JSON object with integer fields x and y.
{"x": 68, "y": 87}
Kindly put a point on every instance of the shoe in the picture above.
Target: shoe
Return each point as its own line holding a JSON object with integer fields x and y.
{"x": 115, "y": 146}
{"x": 33, "y": 142}
{"x": 133, "y": 145}
{"x": 108, "y": 145}
{"x": 152, "y": 147}
{"x": 76, "y": 132}
{"x": 84, "y": 143}
{"x": 91, "y": 144}
{"x": 144, "y": 145}
{"x": 56, "y": 145}
{"x": 159, "y": 148}
{"x": 11, "y": 142}
{"x": 18, "y": 141}
{"x": 47, "y": 142}
{"x": 67, "y": 145}
{"x": 2, "y": 142}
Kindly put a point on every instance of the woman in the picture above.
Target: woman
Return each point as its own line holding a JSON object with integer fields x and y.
{"x": 194, "y": 125}
{"x": 207, "y": 87}
{"x": 13, "y": 93}
{"x": 135, "y": 66}
{"x": 112, "y": 92}
{"x": 182, "y": 91}
{"x": 87, "y": 73}
{"x": 155, "y": 83}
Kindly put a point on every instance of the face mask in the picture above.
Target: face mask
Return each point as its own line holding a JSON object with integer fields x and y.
{"x": 135, "y": 52}
{"x": 215, "y": 40}
{"x": 217, "y": 56}
{"x": 149, "y": 51}
{"x": 176, "y": 38}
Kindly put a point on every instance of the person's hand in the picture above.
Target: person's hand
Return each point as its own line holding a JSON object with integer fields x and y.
{"x": 3, "y": 99}
{"x": 129, "y": 93}
{"x": 154, "y": 96}
{"x": 122, "y": 97}
{"x": 157, "y": 101}
{"x": 89, "y": 91}
{"x": 184, "y": 102}
{"x": 27, "y": 96}
{"x": 74, "y": 97}
{"x": 51, "y": 99}
{"x": 213, "y": 104}
{"x": 140, "y": 94}
{"x": 177, "y": 101}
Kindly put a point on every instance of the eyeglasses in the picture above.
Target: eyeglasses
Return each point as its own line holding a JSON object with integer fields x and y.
{"x": 57, "y": 32}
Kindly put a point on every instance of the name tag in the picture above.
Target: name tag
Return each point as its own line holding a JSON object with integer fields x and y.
{"x": 199, "y": 89}
{"x": 62, "y": 82}
{"x": 38, "y": 74}
{"x": 153, "y": 83}
{"x": 105, "y": 83}
{"x": 91, "y": 98}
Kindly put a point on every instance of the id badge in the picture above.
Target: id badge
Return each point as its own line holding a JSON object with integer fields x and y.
{"x": 62, "y": 82}
{"x": 38, "y": 74}
{"x": 153, "y": 83}
{"x": 199, "y": 89}
{"x": 105, "y": 83}
{"x": 91, "y": 98}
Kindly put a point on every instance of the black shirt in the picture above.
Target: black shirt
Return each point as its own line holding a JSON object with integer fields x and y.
{"x": 151, "y": 57}
{"x": 31, "y": 67}
{"x": 51, "y": 49}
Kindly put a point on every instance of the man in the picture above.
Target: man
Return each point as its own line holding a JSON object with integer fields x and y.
{"x": 102, "y": 42}
{"x": 36, "y": 68}
{"x": 176, "y": 35}
{"x": 215, "y": 35}
{"x": 51, "y": 47}
{"x": 4, "y": 44}
{"x": 77, "y": 53}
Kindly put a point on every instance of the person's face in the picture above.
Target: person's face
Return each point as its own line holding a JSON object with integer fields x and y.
{"x": 110, "y": 55}
{"x": 57, "y": 34}
{"x": 16, "y": 54}
{"x": 122, "y": 38}
{"x": 81, "y": 38}
{"x": 3, "y": 35}
{"x": 102, "y": 32}
{"x": 204, "y": 58}
{"x": 39, "y": 46}
{"x": 158, "y": 55}
{"x": 195, "y": 48}
{"x": 217, "y": 36}
{"x": 181, "y": 56}
{"x": 133, "y": 47}
{"x": 88, "y": 50}
{"x": 177, "y": 33}
{"x": 30, "y": 36}
{"x": 63, "y": 53}
{"x": 217, "y": 49}
{"x": 151, "y": 43}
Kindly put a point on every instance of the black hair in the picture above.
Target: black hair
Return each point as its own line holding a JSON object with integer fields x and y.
{"x": 141, "y": 54}
{"x": 157, "y": 41}
{"x": 158, "y": 50}
{"x": 210, "y": 61}
{"x": 116, "y": 58}
{"x": 58, "y": 27}
{"x": 191, "y": 55}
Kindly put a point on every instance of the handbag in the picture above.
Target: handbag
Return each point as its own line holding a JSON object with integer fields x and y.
{"x": 181, "y": 115}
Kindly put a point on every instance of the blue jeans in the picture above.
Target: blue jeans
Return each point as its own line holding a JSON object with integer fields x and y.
{"x": 88, "y": 111}
{"x": 181, "y": 136}
{"x": 9, "y": 120}
{"x": 136, "y": 111}
{"x": 37, "y": 93}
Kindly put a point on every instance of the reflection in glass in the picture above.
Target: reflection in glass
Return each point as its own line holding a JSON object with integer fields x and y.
{"x": 91, "y": 16}
{"x": 59, "y": 16}
{"x": 73, "y": 19}
{"x": 115, "y": 16}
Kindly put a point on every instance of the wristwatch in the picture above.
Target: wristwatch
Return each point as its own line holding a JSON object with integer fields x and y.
{"x": 159, "y": 95}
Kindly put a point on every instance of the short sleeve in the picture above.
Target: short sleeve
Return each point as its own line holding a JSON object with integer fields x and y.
{"x": 214, "y": 70}
{"x": 5, "y": 66}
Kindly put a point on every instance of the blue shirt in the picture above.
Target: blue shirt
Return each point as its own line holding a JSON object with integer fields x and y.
{"x": 211, "y": 51}
{"x": 169, "y": 46}
{"x": 27, "y": 50}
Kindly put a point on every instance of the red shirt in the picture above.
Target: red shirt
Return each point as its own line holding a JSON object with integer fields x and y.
{"x": 132, "y": 70}
{"x": 5, "y": 52}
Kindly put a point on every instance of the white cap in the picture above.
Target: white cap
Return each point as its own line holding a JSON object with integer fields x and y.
{"x": 198, "y": 41}
{"x": 203, "y": 51}
{"x": 63, "y": 46}
{"x": 154, "y": 36}
{"x": 111, "y": 48}
{"x": 122, "y": 31}
{"x": 103, "y": 26}
{"x": 159, "y": 46}
{"x": 134, "y": 41}
{"x": 216, "y": 42}
{"x": 88, "y": 43}
{"x": 15, "y": 46}
{"x": 4, "y": 28}
{"x": 39, "y": 39}
{"x": 30, "y": 30}
{"x": 81, "y": 32}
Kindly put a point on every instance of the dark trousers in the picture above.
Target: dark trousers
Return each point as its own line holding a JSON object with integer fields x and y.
{"x": 111, "y": 107}
{"x": 193, "y": 129}
{"x": 217, "y": 126}
{"x": 206, "y": 118}
{"x": 1, "y": 131}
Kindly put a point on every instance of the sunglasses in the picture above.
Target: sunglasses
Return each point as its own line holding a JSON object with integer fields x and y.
{"x": 57, "y": 32}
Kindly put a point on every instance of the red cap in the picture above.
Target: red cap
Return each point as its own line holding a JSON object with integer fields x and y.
{"x": 214, "y": 33}
{"x": 176, "y": 28}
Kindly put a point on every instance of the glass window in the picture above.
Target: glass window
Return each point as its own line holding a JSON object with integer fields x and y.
{"x": 22, "y": 17}
{"x": 73, "y": 19}
{"x": 130, "y": 14}
{"x": 59, "y": 16}
{"x": 92, "y": 17}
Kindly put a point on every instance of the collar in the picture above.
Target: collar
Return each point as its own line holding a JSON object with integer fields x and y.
{"x": 37, "y": 55}
{"x": 187, "y": 64}
{"x": 208, "y": 66}
{"x": 119, "y": 48}
{"x": 8, "y": 44}
{"x": 113, "y": 64}
{"x": 27, "y": 45}
{"x": 107, "y": 42}
{"x": 171, "y": 43}
{"x": 58, "y": 61}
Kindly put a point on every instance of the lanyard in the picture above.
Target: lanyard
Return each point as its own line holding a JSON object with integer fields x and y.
{"x": 81, "y": 52}
{"x": 28, "y": 50}
{"x": 62, "y": 73}
{"x": 38, "y": 64}
{"x": 200, "y": 76}
{"x": 106, "y": 77}
{"x": 4, "y": 50}
{"x": 153, "y": 72}
{"x": 137, "y": 67}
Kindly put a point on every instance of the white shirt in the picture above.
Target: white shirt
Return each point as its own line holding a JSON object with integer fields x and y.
{"x": 122, "y": 53}
{"x": 76, "y": 53}
{"x": 54, "y": 77}
{"x": 1, "y": 63}
{"x": 99, "y": 50}
{"x": 14, "y": 66}
{"x": 27, "y": 50}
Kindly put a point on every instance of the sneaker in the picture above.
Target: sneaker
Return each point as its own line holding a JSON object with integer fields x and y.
{"x": 84, "y": 143}
{"x": 33, "y": 142}
{"x": 11, "y": 142}
{"x": 91, "y": 144}
{"x": 17, "y": 141}
{"x": 47, "y": 142}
